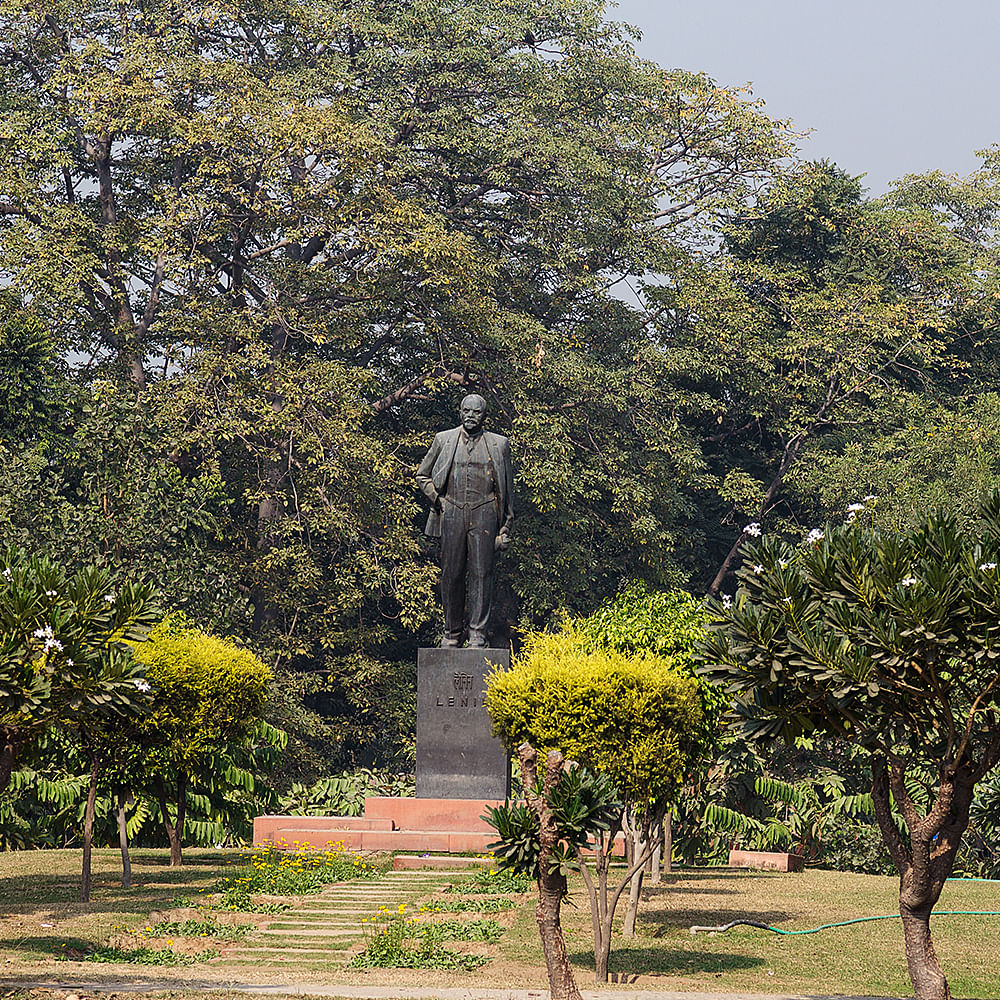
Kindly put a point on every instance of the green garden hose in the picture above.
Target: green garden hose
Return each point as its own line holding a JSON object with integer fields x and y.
{"x": 842, "y": 923}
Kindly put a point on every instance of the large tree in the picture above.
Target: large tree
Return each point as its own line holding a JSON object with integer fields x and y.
{"x": 821, "y": 322}
{"x": 277, "y": 241}
{"x": 890, "y": 640}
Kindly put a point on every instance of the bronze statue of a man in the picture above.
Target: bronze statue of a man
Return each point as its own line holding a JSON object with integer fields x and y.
{"x": 467, "y": 477}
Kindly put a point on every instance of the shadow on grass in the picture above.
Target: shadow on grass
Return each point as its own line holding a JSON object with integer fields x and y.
{"x": 677, "y": 878}
{"x": 30, "y": 893}
{"x": 667, "y": 961}
{"x": 654, "y": 892}
{"x": 70, "y": 947}
{"x": 659, "y": 922}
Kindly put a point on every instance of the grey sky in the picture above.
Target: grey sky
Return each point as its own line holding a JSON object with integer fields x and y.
{"x": 888, "y": 86}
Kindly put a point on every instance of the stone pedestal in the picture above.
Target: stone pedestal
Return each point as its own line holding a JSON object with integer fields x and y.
{"x": 457, "y": 757}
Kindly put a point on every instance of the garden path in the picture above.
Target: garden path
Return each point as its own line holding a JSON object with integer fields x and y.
{"x": 324, "y": 930}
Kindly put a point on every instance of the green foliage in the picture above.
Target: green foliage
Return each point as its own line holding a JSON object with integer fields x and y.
{"x": 634, "y": 718}
{"x": 639, "y": 620}
{"x": 199, "y": 928}
{"x": 854, "y": 845}
{"x": 584, "y": 806}
{"x": 31, "y": 376}
{"x": 396, "y": 941}
{"x": 144, "y": 956}
{"x": 65, "y": 656}
{"x": 285, "y": 872}
{"x": 887, "y": 638}
{"x": 208, "y": 692}
{"x": 804, "y": 810}
{"x": 288, "y": 238}
{"x": 823, "y": 323}
{"x": 461, "y": 930}
{"x": 344, "y": 794}
{"x": 493, "y": 881}
{"x": 670, "y": 624}
{"x": 44, "y": 804}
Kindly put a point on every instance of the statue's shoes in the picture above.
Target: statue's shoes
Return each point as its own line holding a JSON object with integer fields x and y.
{"x": 477, "y": 641}
{"x": 448, "y": 643}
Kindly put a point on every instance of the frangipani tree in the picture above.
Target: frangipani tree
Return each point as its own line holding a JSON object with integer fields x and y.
{"x": 63, "y": 652}
{"x": 890, "y": 640}
{"x": 65, "y": 659}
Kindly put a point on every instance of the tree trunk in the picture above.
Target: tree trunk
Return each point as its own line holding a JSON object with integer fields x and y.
{"x": 668, "y": 842}
{"x": 927, "y": 860}
{"x": 88, "y": 829}
{"x": 8, "y": 756}
{"x": 181, "y": 814}
{"x": 175, "y": 830}
{"x": 551, "y": 882}
{"x": 928, "y": 979}
{"x": 602, "y": 955}
{"x": 123, "y": 842}
{"x": 654, "y": 861}
{"x": 642, "y": 850}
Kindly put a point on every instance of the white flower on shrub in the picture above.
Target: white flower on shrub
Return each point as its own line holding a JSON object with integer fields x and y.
{"x": 752, "y": 529}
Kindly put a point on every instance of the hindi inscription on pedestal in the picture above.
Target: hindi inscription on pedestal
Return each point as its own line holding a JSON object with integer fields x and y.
{"x": 457, "y": 755}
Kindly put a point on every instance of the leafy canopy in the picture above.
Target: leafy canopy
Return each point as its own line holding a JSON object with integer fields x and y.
{"x": 891, "y": 639}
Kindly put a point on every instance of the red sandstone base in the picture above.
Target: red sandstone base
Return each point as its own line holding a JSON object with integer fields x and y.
{"x": 450, "y": 826}
{"x": 416, "y": 826}
{"x": 774, "y": 861}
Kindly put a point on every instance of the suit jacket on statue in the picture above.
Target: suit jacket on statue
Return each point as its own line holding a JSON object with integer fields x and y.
{"x": 432, "y": 476}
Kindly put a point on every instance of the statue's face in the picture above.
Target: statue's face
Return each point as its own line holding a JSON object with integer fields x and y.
{"x": 472, "y": 414}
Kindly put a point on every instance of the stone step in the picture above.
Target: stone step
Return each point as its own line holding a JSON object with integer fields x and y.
{"x": 354, "y": 926}
{"x": 287, "y": 951}
{"x": 405, "y": 864}
{"x": 315, "y": 957}
{"x": 349, "y": 921}
{"x": 310, "y": 932}
{"x": 390, "y": 890}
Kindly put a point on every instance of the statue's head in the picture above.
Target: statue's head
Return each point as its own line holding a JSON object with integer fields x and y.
{"x": 472, "y": 413}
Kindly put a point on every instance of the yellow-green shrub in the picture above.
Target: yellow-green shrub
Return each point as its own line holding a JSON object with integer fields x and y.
{"x": 206, "y": 690}
{"x": 636, "y": 718}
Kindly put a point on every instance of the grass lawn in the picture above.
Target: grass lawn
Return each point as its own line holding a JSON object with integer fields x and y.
{"x": 40, "y": 918}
